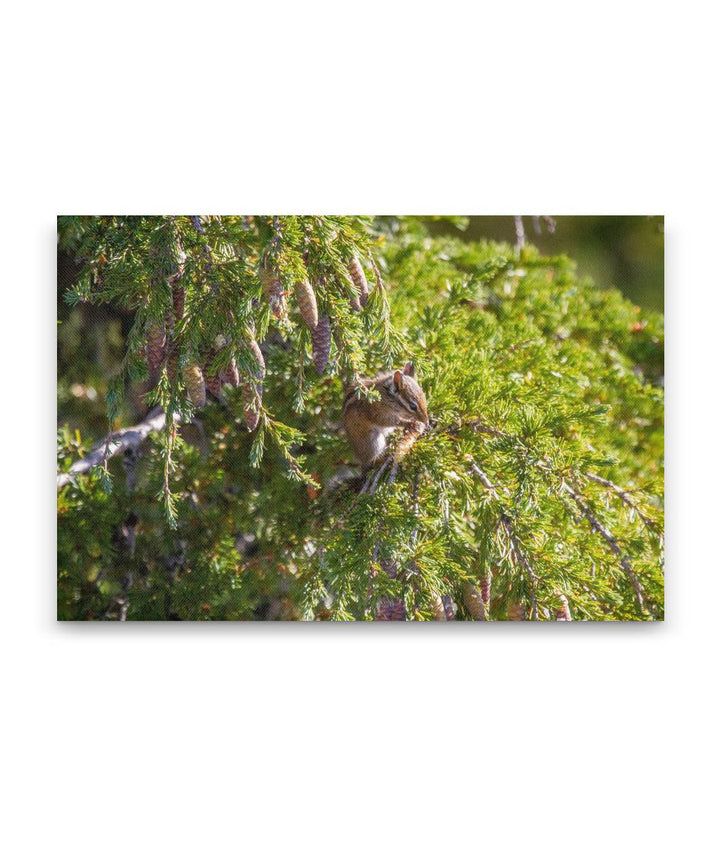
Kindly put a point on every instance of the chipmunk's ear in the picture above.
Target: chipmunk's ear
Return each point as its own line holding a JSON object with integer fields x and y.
{"x": 409, "y": 369}
{"x": 398, "y": 380}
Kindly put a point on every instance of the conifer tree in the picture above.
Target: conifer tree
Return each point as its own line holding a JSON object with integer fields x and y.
{"x": 536, "y": 492}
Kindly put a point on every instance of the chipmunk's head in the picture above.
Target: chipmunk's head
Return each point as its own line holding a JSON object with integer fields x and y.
{"x": 402, "y": 389}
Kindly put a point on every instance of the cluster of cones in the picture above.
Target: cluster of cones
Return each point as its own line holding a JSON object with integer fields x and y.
{"x": 199, "y": 379}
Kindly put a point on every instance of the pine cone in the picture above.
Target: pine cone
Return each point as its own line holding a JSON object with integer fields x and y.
{"x": 251, "y": 407}
{"x": 178, "y": 299}
{"x": 449, "y": 606}
{"x": 321, "y": 344}
{"x": 231, "y": 374}
{"x": 390, "y": 610}
{"x": 473, "y": 601}
{"x": 258, "y": 354}
{"x": 213, "y": 385}
{"x": 194, "y": 384}
{"x": 485, "y": 588}
{"x": 437, "y": 607}
{"x": 155, "y": 343}
{"x": 358, "y": 277}
{"x": 563, "y": 612}
{"x": 390, "y": 566}
{"x": 273, "y": 291}
{"x": 307, "y": 303}
{"x": 515, "y": 611}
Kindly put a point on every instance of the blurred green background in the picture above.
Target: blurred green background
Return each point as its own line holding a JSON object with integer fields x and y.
{"x": 625, "y": 252}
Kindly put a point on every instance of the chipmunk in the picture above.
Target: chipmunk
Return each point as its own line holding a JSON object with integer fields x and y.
{"x": 369, "y": 423}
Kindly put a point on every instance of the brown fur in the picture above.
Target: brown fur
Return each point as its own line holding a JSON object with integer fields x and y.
{"x": 368, "y": 423}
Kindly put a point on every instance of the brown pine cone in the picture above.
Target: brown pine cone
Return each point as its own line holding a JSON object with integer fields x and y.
{"x": 155, "y": 342}
{"x": 258, "y": 354}
{"x": 485, "y": 588}
{"x": 515, "y": 611}
{"x": 358, "y": 277}
{"x": 390, "y": 566}
{"x": 273, "y": 290}
{"x": 321, "y": 344}
{"x": 437, "y": 608}
{"x": 194, "y": 384}
{"x": 213, "y": 385}
{"x": 390, "y": 609}
{"x": 178, "y": 299}
{"x": 231, "y": 374}
{"x": 450, "y": 607}
{"x": 307, "y": 303}
{"x": 473, "y": 601}
{"x": 563, "y": 612}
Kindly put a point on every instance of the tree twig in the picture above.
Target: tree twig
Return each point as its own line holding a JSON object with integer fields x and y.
{"x": 611, "y": 541}
{"x": 506, "y": 522}
{"x": 625, "y": 497}
{"x": 522, "y": 560}
{"x": 114, "y": 444}
{"x": 198, "y": 226}
{"x": 484, "y": 480}
{"x": 385, "y": 464}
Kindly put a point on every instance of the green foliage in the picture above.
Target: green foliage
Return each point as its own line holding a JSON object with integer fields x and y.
{"x": 540, "y": 477}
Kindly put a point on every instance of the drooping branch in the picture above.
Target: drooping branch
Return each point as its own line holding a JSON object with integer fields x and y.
{"x": 484, "y": 480}
{"x": 114, "y": 444}
{"x": 611, "y": 541}
{"x": 522, "y": 560}
{"x": 596, "y": 525}
{"x": 505, "y": 522}
{"x": 198, "y": 226}
{"x": 625, "y": 497}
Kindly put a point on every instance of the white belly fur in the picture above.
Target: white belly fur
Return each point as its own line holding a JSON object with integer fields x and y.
{"x": 379, "y": 439}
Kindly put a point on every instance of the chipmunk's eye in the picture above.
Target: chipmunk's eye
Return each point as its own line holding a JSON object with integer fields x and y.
{"x": 412, "y": 405}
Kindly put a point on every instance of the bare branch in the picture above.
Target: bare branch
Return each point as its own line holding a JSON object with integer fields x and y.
{"x": 114, "y": 444}
{"x": 506, "y": 523}
{"x": 585, "y": 510}
{"x": 625, "y": 497}
{"x": 484, "y": 480}
{"x": 611, "y": 541}
{"x": 385, "y": 464}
